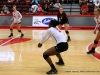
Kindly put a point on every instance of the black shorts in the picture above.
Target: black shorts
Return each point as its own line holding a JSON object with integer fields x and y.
{"x": 61, "y": 47}
{"x": 18, "y": 23}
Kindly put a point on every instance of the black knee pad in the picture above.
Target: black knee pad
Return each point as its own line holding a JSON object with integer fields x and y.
{"x": 67, "y": 32}
{"x": 11, "y": 29}
{"x": 95, "y": 42}
{"x": 45, "y": 56}
{"x": 19, "y": 30}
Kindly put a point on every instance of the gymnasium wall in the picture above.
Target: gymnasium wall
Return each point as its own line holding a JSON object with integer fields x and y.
{"x": 73, "y": 20}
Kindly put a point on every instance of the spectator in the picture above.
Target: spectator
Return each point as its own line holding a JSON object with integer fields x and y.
{"x": 10, "y": 0}
{"x": 34, "y": 2}
{"x": 27, "y": 2}
{"x": 5, "y": 9}
{"x": 94, "y": 1}
{"x": 39, "y": 9}
{"x": 17, "y": 0}
{"x": 97, "y": 4}
{"x": 84, "y": 8}
{"x": 57, "y": 5}
{"x": 45, "y": 8}
{"x": 2, "y": 13}
{"x": 51, "y": 5}
{"x": 33, "y": 9}
{"x": 82, "y": 1}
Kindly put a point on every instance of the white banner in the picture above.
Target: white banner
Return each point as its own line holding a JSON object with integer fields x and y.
{"x": 42, "y": 21}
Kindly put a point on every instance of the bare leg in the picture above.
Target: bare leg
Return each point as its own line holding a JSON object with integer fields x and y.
{"x": 11, "y": 29}
{"x": 19, "y": 30}
{"x": 51, "y": 51}
{"x": 95, "y": 43}
{"x": 67, "y": 32}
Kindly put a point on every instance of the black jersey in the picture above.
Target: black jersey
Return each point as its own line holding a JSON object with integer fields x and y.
{"x": 62, "y": 18}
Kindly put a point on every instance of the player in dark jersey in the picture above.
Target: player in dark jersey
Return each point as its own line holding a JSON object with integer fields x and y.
{"x": 63, "y": 20}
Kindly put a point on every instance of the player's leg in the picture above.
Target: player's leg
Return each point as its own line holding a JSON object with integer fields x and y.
{"x": 11, "y": 29}
{"x": 95, "y": 43}
{"x": 54, "y": 51}
{"x": 19, "y": 30}
{"x": 67, "y": 32}
{"x": 51, "y": 51}
{"x": 60, "y": 48}
{"x": 60, "y": 62}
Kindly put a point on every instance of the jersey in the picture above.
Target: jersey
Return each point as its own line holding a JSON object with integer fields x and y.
{"x": 55, "y": 34}
{"x": 62, "y": 18}
{"x": 97, "y": 20}
{"x": 17, "y": 17}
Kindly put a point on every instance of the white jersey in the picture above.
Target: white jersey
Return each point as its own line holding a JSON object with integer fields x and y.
{"x": 97, "y": 20}
{"x": 17, "y": 17}
{"x": 55, "y": 34}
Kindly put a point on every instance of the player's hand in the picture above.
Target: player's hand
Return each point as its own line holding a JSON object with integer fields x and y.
{"x": 39, "y": 45}
{"x": 94, "y": 32}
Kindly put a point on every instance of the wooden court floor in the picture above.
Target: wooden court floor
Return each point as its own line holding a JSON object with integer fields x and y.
{"x": 23, "y": 57}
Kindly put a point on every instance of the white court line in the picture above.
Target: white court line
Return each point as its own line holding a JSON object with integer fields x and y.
{"x": 91, "y": 54}
{"x": 10, "y": 40}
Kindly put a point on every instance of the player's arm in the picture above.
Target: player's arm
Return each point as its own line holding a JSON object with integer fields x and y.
{"x": 96, "y": 27}
{"x": 97, "y": 22}
{"x": 45, "y": 37}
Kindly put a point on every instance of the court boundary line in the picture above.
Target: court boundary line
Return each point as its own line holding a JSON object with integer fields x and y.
{"x": 91, "y": 54}
{"x": 11, "y": 39}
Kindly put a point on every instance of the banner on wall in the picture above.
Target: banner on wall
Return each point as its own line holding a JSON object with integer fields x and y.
{"x": 42, "y": 21}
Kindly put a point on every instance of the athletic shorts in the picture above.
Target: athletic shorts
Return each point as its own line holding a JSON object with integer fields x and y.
{"x": 61, "y": 47}
{"x": 18, "y": 23}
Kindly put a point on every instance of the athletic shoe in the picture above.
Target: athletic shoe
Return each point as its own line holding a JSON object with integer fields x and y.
{"x": 22, "y": 35}
{"x": 60, "y": 63}
{"x": 11, "y": 35}
{"x": 52, "y": 71}
{"x": 91, "y": 51}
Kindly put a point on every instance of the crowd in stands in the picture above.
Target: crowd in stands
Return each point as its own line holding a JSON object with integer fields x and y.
{"x": 46, "y": 6}
{"x": 88, "y": 6}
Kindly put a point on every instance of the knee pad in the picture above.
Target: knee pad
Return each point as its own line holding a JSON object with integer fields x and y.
{"x": 45, "y": 56}
{"x": 19, "y": 30}
{"x": 95, "y": 42}
{"x": 11, "y": 29}
{"x": 67, "y": 32}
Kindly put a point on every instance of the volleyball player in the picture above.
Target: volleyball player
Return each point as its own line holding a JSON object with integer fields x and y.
{"x": 63, "y": 20}
{"x": 16, "y": 22}
{"x": 61, "y": 45}
{"x": 97, "y": 20}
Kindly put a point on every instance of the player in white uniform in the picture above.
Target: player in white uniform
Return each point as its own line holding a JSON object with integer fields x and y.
{"x": 16, "y": 22}
{"x": 61, "y": 45}
{"x": 97, "y": 20}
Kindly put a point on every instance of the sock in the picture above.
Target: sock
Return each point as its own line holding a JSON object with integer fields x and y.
{"x": 52, "y": 66}
{"x": 60, "y": 60}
